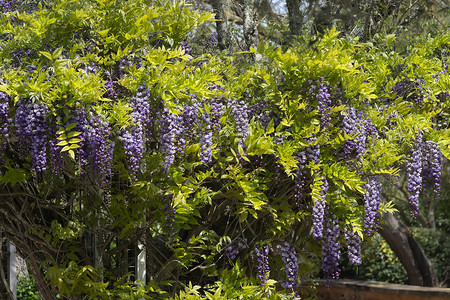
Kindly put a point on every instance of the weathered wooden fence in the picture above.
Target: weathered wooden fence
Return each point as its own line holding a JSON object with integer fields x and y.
{"x": 371, "y": 290}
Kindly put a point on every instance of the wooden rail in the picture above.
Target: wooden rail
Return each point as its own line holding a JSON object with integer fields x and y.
{"x": 346, "y": 289}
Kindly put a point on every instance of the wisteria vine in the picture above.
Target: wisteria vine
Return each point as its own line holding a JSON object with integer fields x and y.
{"x": 289, "y": 258}
{"x": 5, "y": 124}
{"x": 31, "y": 130}
{"x": 261, "y": 255}
{"x": 414, "y": 175}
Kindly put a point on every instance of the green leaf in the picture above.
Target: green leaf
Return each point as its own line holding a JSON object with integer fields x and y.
{"x": 71, "y": 126}
{"x": 72, "y": 154}
{"x": 404, "y": 108}
{"x": 57, "y": 53}
{"x": 103, "y": 33}
{"x": 192, "y": 148}
{"x": 73, "y": 134}
{"x": 46, "y": 54}
{"x": 74, "y": 141}
{"x": 243, "y": 216}
{"x": 62, "y": 143}
{"x": 257, "y": 203}
{"x": 270, "y": 128}
{"x": 61, "y": 131}
{"x": 14, "y": 176}
{"x": 242, "y": 153}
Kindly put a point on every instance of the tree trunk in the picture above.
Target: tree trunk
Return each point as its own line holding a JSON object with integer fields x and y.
{"x": 251, "y": 27}
{"x": 368, "y": 22}
{"x": 419, "y": 268}
{"x": 41, "y": 284}
{"x": 294, "y": 16}
{"x": 5, "y": 290}
{"x": 223, "y": 38}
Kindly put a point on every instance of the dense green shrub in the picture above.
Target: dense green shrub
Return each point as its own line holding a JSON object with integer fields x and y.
{"x": 436, "y": 245}
{"x": 27, "y": 289}
{"x": 380, "y": 263}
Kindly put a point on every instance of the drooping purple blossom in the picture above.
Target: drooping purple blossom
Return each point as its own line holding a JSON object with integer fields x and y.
{"x": 414, "y": 175}
{"x": 133, "y": 138}
{"x": 216, "y": 86}
{"x": 186, "y": 47}
{"x": 261, "y": 254}
{"x": 123, "y": 66}
{"x": 110, "y": 91}
{"x": 171, "y": 126}
{"x": 133, "y": 144}
{"x": 206, "y": 139}
{"x": 399, "y": 88}
{"x": 300, "y": 178}
{"x": 370, "y": 129}
{"x": 358, "y": 127}
{"x": 93, "y": 69}
{"x": 170, "y": 221}
{"x": 408, "y": 89}
{"x": 239, "y": 110}
{"x": 31, "y": 130}
{"x": 97, "y": 151}
{"x": 432, "y": 166}
{"x": 216, "y": 113}
{"x": 6, "y": 6}
{"x": 232, "y": 250}
{"x": 289, "y": 257}
{"x": 324, "y": 101}
{"x": 331, "y": 248}
{"x": 312, "y": 152}
{"x": 211, "y": 41}
{"x": 141, "y": 107}
{"x": 260, "y": 113}
{"x": 5, "y": 124}
{"x": 353, "y": 247}
{"x": 320, "y": 210}
{"x": 372, "y": 200}
{"x": 56, "y": 156}
{"x": 190, "y": 121}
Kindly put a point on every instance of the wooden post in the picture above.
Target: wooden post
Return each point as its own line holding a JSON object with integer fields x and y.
{"x": 12, "y": 269}
{"x": 8, "y": 269}
{"x": 141, "y": 265}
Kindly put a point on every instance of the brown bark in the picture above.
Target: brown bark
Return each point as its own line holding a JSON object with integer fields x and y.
{"x": 251, "y": 27}
{"x": 368, "y": 22}
{"x": 294, "y": 16}
{"x": 223, "y": 38}
{"x": 419, "y": 268}
{"x": 41, "y": 284}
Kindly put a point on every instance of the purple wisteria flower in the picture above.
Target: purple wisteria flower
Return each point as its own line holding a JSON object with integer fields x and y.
{"x": 372, "y": 200}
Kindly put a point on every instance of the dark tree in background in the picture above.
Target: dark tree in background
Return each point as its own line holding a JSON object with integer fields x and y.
{"x": 223, "y": 36}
